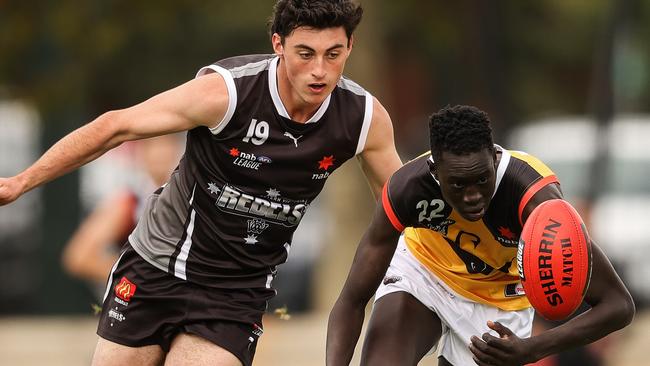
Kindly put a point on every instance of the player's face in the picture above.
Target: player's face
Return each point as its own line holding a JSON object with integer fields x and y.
{"x": 311, "y": 63}
{"x": 467, "y": 182}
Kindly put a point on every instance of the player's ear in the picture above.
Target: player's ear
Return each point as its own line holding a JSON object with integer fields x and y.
{"x": 350, "y": 42}
{"x": 276, "y": 42}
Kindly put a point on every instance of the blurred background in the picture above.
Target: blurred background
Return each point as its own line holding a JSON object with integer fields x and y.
{"x": 568, "y": 81}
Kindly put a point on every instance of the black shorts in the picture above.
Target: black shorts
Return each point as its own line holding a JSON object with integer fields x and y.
{"x": 147, "y": 306}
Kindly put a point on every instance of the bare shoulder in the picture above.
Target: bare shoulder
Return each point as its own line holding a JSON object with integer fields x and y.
{"x": 379, "y": 158}
{"x": 202, "y": 101}
{"x": 380, "y": 115}
{"x": 209, "y": 98}
{"x": 381, "y": 127}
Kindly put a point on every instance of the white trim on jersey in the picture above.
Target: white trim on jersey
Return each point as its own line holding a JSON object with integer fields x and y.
{"x": 110, "y": 277}
{"x": 365, "y": 127}
{"x": 287, "y": 247}
{"x": 501, "y": 169}
{"x": 232, "y": 95}
{"x": 250, "y": 69}
{"x": 275, "y": 95}
{"x": 430, "y": 172}
{"x": 181, "y": 261}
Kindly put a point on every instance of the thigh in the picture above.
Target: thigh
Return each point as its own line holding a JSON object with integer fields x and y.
{"x": 189, "y": 349}
{"x": 109, "y": 353}
{"x": 401, "y": 331}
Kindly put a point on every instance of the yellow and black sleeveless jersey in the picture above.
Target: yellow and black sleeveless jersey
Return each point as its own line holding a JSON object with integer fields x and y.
{"x": 476, "y": 259}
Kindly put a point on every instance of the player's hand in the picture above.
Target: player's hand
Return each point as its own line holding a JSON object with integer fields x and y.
{"x": 10, "y": 190}
{"x": 506, "y": 350}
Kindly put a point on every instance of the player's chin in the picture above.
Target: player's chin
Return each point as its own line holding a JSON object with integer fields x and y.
{"x": 473, "y": 215}
{"x": 316, "y": 98}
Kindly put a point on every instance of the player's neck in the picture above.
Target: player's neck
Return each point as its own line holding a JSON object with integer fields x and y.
{"x": 298, "y": 108}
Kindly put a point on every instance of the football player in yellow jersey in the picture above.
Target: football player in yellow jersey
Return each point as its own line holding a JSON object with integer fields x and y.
{"x": 443, "y": 238}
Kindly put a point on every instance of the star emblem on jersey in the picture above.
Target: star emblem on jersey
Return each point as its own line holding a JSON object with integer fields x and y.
{"x": 212, "y": 187}
{"x": 506, "y": 232}
{"x": 326, "y": 162}
{"x": 251, "y": 239}
{"x": 234, "y": 151}
{"x": 273, "y": 193}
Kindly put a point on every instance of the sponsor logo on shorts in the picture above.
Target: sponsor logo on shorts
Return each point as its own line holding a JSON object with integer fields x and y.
{"x": 257, "y": 330}
{"x": 120, "y": 301}
{"x": 125, "y": 289}
{"x": 391, "y": 279}
{"x": 514, "y": 289}
{"x": 113, "y": 313}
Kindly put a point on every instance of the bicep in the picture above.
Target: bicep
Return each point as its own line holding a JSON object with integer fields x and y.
{"x": 199, "y": 102}
{"x": 379, "y": 158}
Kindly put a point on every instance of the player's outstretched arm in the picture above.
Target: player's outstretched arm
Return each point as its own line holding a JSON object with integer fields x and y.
{"x": 379, "y": 158}
{"x": 201, "y": 101}
{"x": 612, "y": 308}
{"x": 368, "y": 268}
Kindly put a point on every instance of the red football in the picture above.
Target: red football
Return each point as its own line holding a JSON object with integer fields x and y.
{"x": 554, "y": 259}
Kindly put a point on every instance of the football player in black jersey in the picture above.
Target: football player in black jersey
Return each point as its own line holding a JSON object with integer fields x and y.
{"x": 452, "y": 285}
{"x": 264, "y": 133}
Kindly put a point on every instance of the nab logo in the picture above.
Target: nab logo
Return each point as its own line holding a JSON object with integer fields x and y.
{"x": 125, "y": 289}
{"x": 324, "y": 164}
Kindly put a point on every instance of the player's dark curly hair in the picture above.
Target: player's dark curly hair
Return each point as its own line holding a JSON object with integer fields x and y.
{"x": 320, "y": 14}
{"x": 460, "y": 130}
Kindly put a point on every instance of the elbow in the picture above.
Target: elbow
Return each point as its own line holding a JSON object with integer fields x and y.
{"x": 348, "y": 303}
{"x": 622, "y": 312}
{"x": 628, "y": 310}
{"x": 73, "y": 264}
{"x": 112, "y": 126}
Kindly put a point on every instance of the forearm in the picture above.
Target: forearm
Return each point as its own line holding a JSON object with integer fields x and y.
{"x": 72, "y": 151}
{"x": 343, "y": 330}
{"x": 586, "y": 328}
{"x": 612, "y": 308}
{"x": 346, "y": 319}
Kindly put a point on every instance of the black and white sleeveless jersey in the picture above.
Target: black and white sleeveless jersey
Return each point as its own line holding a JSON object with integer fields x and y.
{"x": 227, "y": 215}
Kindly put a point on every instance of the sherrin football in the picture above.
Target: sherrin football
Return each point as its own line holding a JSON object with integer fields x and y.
{"x": 554, "y": 259}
